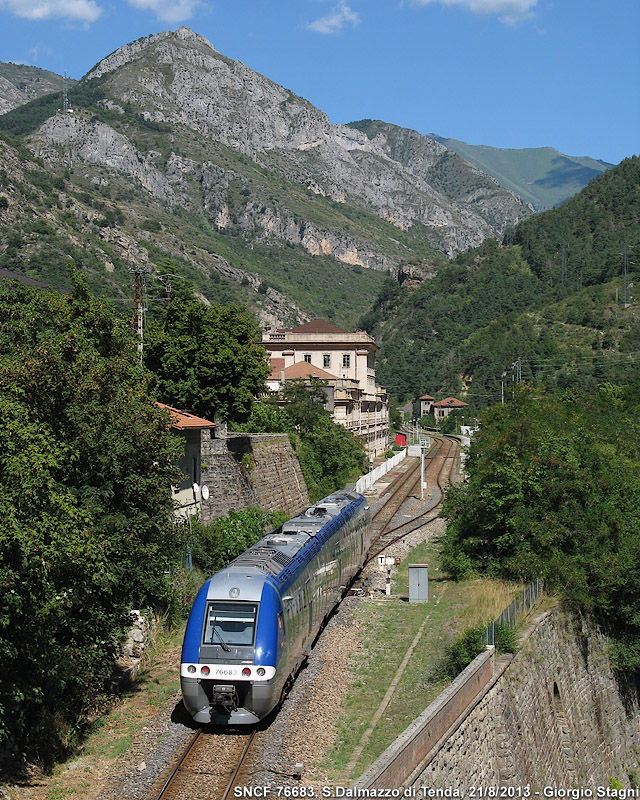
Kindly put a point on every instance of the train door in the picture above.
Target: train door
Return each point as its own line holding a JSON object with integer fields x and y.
{"x": 338, "y": 555}
{"x": 282, "y": 636}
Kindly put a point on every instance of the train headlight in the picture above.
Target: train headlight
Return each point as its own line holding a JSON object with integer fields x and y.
{"x": 234, "y": 592}
{"x": 246, "y": 672}
{"x": 205, "y": 670}
{"x": 191, "y": 668}
{"x": 260, "y": 671}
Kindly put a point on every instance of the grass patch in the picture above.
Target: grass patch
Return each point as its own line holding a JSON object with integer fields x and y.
{"x": 388, "y": 630}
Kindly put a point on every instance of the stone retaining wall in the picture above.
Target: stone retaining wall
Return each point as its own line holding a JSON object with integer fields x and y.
{"x": 244, "y": 470}
{"x": 554, "y": 717}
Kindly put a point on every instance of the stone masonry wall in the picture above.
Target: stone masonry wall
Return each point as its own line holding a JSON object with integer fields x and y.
{"x": 244, "y": 470}
{"x": 555, "y": 717}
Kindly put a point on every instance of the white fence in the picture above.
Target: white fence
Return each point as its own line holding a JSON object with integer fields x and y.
{"x": 367, "y": 481}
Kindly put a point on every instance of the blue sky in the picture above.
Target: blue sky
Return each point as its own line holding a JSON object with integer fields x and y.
{"x": 506, "y": 73}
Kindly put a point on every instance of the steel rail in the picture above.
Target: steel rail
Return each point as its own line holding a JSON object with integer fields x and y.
{"x": 392, "y": 490}
{"x": 398, "y": 491}
{"x": 190, "y": 745}
{"x": 234, "y": 774}
{"x": 399, "y": 497}
{"x": 421, "y": 519}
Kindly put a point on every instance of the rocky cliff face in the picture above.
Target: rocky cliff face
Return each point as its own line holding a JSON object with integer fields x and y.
{"x": 457, "y": 179}
{"x": 10, "y": 96}
{"x": 47, "y": 220}
{"x": 178, "y": 83}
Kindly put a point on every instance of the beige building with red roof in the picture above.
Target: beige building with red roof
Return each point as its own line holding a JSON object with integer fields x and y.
{"x": 426, "y": 403}
{"x": 346, "y": 361}
{"x": 443, "y": 408}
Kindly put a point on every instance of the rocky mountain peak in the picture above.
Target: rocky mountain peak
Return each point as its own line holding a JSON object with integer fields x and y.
{"x": 130, "y": 53}
{"x": 203, "y": 133}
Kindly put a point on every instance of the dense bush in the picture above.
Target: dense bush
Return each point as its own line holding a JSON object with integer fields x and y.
{"x": 460, "y": 653}
{"x": 214, "y": 545}
{"x": 330, "y": 457}
{"x": 506, "y": 638}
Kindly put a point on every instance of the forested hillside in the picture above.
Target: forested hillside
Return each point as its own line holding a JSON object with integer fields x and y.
{"x": 553, "y": 493}
{"x": 495, "y": 305}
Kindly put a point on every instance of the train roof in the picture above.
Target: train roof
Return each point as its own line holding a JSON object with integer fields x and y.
{"x": 278, "y": 549}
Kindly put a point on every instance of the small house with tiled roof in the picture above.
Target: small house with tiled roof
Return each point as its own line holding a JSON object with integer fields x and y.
{"x": 443, "y": 408}
{"x": 346, "y": 361}
{"x": 189, "y": 428}
{"x": 426, "y": 402}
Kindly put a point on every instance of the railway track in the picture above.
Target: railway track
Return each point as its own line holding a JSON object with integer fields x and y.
{"x": 212, "y": 763}
{"x": 438, "y": 467}
{"x": 209, "y": 768}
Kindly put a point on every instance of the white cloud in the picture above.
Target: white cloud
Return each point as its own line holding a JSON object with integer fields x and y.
{"x": 509, "y": 11}
{"x": 168, "y": 10}
{"x": 334, "y": 22}
{"x": 77, "y": 10}
{"x": 37, "y": 51}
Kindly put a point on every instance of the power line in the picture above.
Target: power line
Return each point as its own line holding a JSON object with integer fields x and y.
{"x": 615, "y": 357}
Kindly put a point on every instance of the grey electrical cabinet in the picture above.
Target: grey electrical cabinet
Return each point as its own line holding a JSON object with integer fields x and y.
{"x": 418, "y": 583}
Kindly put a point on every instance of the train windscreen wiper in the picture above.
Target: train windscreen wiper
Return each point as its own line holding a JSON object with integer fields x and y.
{"x": 217, "y": 633}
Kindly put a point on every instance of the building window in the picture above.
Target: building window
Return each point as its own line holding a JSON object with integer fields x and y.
{"x": 326, "y": 360}
{"x": 307, "y": 357}
{"x": 346, "y": 361}
{"x": 195, "y": 470}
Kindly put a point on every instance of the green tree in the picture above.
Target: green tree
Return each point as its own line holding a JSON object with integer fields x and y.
{"x": 329, "y": 455}
{"x": 304, "y": 404}
{"x": 207, "y": 359}
{"x": 214, "y": 545}
{"x": 86, "y": 467}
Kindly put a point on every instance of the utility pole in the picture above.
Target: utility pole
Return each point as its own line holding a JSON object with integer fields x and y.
{"x": 165, "y": 280}
{"x": 65, "y": 96}
{"x": 139, "y": 305}
{"x": 516, "y": 376}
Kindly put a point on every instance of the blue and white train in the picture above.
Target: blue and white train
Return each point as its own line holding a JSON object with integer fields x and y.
{"x": 252, "y": 623}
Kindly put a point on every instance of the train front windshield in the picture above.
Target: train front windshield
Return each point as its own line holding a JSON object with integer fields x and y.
{"x": 230, "y": 624}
